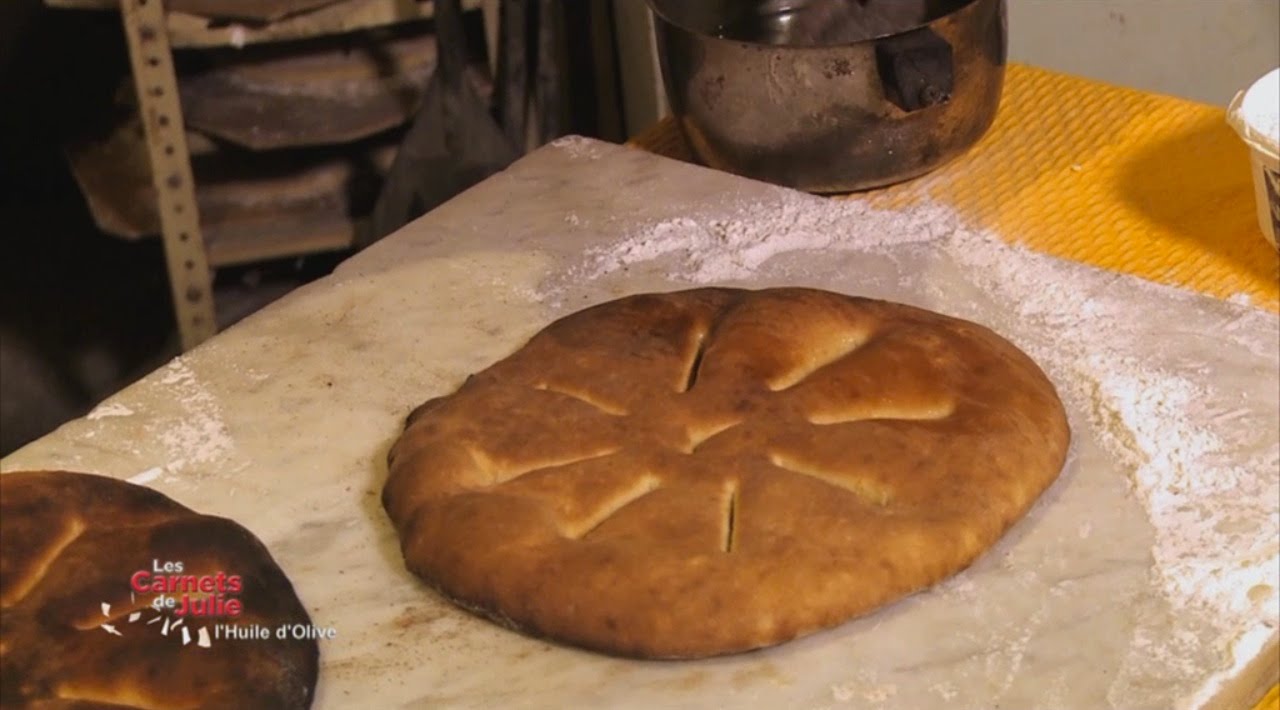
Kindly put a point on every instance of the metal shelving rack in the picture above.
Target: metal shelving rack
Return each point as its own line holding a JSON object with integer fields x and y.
{"x": 153, "y": 32}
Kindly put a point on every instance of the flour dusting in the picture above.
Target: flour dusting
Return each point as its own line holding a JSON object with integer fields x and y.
{"x": 1169, "y": 425}
{"x": 113, "y": 409}
{"x": 577, "y": 147}
{"x": 146, "y": 476}
{"x": 198, "y": 436}
{"x": 1201, "y": 467}
{"x": 863, "y": 688}
{"x": 724, "y": 249}
{"x": 1206, "y": 480}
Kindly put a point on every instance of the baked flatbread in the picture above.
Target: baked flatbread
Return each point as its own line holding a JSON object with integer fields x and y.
{"x": 75, "y": 634}
{"x": 711, "y": 471}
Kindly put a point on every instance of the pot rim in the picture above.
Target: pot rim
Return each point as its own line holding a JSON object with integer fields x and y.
{"x": 961, "y": 6}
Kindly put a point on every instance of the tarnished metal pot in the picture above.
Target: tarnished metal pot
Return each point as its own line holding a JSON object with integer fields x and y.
{"x": 831, "y": 118}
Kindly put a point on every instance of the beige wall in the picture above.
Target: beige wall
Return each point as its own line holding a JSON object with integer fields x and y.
{"x": 1198, "y": 49}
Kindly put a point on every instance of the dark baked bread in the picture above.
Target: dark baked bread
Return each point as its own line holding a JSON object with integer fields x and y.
{"x": 717, "y": 470}
{"x": 74, "y": 634}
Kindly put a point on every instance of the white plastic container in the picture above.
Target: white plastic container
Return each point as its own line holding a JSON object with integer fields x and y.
{"x": 1255, "y": 114}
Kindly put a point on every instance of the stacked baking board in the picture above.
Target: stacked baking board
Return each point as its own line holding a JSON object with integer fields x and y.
{"x": 1144, "y": 578}
{"x": 289, "y": 142}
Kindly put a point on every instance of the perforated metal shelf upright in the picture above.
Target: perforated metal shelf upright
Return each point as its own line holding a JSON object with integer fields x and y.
{"x": 153, "y": 30}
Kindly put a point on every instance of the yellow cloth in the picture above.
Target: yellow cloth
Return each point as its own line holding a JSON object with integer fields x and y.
{"x": 1272, "y": 701}
{"x": 1139, "y": 183}
{"x": 1129, "y": 181}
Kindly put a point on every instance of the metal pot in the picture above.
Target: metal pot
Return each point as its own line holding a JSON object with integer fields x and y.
{"x": 755, "y": 99}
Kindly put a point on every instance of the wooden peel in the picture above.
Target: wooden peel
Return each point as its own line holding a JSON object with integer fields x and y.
{"x": 453, "y": 142}
{"x": 329, "y": 92}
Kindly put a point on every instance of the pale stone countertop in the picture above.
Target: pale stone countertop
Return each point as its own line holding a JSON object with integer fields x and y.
{"x": 283, "y": 423}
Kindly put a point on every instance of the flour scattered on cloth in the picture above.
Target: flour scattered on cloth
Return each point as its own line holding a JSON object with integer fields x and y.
{"x": 1202, "y": 465}
{"x": 198, "y": 436}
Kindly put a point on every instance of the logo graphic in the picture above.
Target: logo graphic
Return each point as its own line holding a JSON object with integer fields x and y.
{"x": 202, "y": 634}
{"x": 207, "y": 603}
{"x": 189, "y": 595}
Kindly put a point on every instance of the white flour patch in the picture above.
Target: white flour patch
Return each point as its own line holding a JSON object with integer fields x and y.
{"x": 960, "y": 585}
{"x": 577, "y": 147}
{"x": 1003, "y": 665}
{"x": 723, "y": 249}
{"x": 1203, "y": 494}
{"x": 1165, "y": 423}
{"x": 946, "y": 691}
{"x": 881, "y": 693}
{"x": 500, "y": 284}
{"x": 146, "y": 476}
{"x": 198, "y": 436}
{"x": 845, "y": 692}
{"x": 1202, "y": 464}
{"x": 113, "y": 409}
{"x": 864, "y": 688}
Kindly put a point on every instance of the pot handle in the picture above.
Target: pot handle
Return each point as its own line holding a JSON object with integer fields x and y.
{"x": 915, "y": 69}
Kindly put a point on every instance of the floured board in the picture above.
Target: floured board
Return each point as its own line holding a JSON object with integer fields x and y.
{"x": 1144, "y": 578}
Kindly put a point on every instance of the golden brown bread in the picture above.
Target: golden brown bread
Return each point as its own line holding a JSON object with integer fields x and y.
{"x": 717, "y": 470}
{"x": 70, "y": 543}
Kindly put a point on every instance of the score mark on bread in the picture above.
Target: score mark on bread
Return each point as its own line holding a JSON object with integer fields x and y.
{"x": 716, "y": 470}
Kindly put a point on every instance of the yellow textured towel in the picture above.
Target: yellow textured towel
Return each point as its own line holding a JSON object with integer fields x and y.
{"x": 1272, "y": 701}
{"x": 1130, "y": 181}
